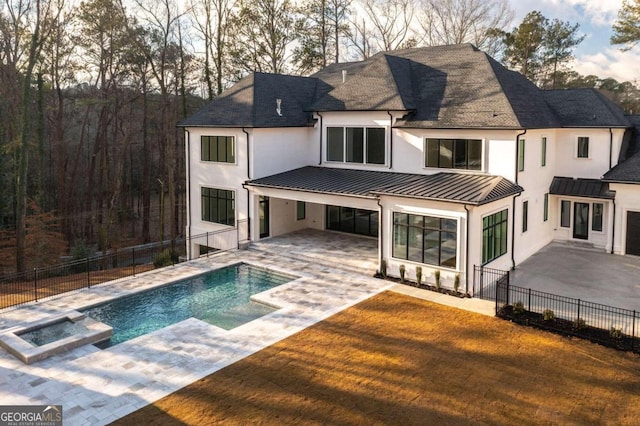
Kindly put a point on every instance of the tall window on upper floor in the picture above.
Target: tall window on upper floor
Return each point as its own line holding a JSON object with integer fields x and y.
{"x": 454, "y": 153}
{"x": 543, "y": 160}
{"x": 220, "y": 149}
{"x": 521, "y": 146}
{"x": 583, "y": 147}
{"x": 362, "y": 145}
{"x": 218, "y": 206}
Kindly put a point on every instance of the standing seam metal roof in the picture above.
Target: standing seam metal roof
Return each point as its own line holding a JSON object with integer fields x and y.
{"x": 464, "y": 188}
{"x": 589, "y": 188}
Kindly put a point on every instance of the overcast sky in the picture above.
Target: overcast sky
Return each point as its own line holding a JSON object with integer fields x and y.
{"x": 595, "y": 55}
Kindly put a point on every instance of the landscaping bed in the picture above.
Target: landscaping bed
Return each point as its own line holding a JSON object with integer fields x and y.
{"x": 612, "y": 338}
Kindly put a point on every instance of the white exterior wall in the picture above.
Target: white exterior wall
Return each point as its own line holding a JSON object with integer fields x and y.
{"x": 597, "y": 164}
{"x": 279, "y": 150}
{"x": 627, "y": 199}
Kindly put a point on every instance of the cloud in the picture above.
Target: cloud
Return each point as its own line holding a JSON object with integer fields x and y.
{"x": 597, "y": 12}
{"x": 610, "y": 63}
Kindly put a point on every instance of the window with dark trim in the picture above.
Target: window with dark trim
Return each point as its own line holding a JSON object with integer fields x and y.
{"x": 543, "y": 161}
{"x": 525, "y": 216}
{"x": 454, "y": 153}
{"x": 521, "y": 147}
{"x": 494, "y": 236}
{"x": 583, "y": 147}
{"x": 597, "y": 217}
{"x": 220, "y": 149}
{"x": 301, "y": 210}
{"x": 425, "y": 239}
{"x": 565, "y": 213}
{"x": 218, "y": 206}
{"x": 546, "y": 208}
{"x": 362, "y": 145}
{"x": 351, "y": 220}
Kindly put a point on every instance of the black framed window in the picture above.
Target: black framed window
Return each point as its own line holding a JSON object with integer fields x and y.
{"x": 351, "y": 220}
{"x": 425, "y": 239}
{"x": 220, "y": 149}
{"x": 525, "y": 216}
{"x": 583, "y": 147}
{"x": 543, "y": 161}
{"x": 597, "y": 217}
{"x": 546, "y": 208}
{"x": 301, "y": 210}
{"x": 521, "y": 151}
{"x": 218, "y": 206}
{"x": 454, "y": 153}
{"x": 494, "y": 236}
{"x": 565, "y": 213}
{"x": 362, "y": 145}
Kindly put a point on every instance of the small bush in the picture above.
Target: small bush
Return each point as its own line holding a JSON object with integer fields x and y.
{"x": 548, "y": 315}
{"x": 616, "y": 332}
{"x": 436, "y": 275}
{"x": 456, "y": 282}
{"x": 165, "y": 258}
{"x": 579, "y": 324}
{"x": 383, "y": 268}
{"x": 518, "y": 308}
{"x": 418, "y": 275}
{"x": 403, "y": 270}
{"x": 80, "y": 250}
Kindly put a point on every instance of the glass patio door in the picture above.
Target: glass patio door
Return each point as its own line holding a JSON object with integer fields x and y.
{"x": 581, "y": 221}
{"x": 264, "y": 216}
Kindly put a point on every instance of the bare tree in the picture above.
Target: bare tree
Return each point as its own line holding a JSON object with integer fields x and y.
{"x": 390, "y": 22}
{"x": 465, "y": 21}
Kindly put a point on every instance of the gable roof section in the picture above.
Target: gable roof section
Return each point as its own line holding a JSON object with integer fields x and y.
{"x": 252, "y": 103}
{"x": 585, "y": 108}
{"x": 589, "y": 188}
{"x": 463, "y": 188}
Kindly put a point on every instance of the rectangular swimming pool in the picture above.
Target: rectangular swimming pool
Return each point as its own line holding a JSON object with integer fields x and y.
{"x": 220, "y": 297}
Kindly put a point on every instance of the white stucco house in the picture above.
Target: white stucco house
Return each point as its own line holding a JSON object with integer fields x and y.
{"x": 444, "y": 156}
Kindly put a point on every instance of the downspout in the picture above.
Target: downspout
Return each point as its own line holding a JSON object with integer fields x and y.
{"x": 513, "y": 212}
{"x": 320, "y": 162}
{"x": 247, "y": 189}
{"x": 466, "y": 256}
{"x": 390, "y": 140}
{"x": 610, "y": 148}
{"x": 380, "y": 232}
{"x": 188, "y": 173}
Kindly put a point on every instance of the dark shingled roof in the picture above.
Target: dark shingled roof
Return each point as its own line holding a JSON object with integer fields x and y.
{"x": 464, "y": 188}
{"x": 628, "y": 168}
{"x": 252, "y": 103}
{"x": 455, "y": 87}
{"x": 590, "y": 188}
{"x": 585, "y": 108}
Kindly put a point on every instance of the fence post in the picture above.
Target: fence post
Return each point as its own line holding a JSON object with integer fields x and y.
{"x": 88, "y": 275}
{"x": 35, "y": 283}
{"x": 633, "y": 332}
{"x": 578, "y": 319}
{"x": 529, "y": 300}
{"x": 508, "y": 288}
{"x": 133, "y": 259}
{"x": 482, "y": 283}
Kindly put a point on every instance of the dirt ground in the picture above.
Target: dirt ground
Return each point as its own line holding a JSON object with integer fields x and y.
{"x": 394, "y": 359}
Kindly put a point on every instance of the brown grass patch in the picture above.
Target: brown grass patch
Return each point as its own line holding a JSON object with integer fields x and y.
{"x": 394, "y": 359}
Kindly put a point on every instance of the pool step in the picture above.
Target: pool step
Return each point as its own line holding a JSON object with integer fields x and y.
{"x": 239, "y": 315}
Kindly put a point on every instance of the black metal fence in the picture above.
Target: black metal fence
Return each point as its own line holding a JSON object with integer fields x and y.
{"x": 485, "y": 281}
{"x": 599, "y": 323}
{"x": 39, "y": 283}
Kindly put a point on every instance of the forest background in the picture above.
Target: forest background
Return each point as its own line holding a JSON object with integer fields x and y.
{"x": 90, "y": 94}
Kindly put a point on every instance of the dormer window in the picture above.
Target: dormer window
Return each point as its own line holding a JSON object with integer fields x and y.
{"x": 362, "y": 145}
{"x": 454, "y": 153}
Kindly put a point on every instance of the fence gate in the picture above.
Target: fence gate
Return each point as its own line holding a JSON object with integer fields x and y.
{"x": 485, "y": 282}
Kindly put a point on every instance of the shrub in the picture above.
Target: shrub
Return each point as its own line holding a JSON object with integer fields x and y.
{"x": 616, "y": 332}
{"x": 456, "y": 282}
{"x": 579, "y": 324}
{"x": 383, "y": 268}
{"x": 403, "y": 269}
{"x": 80, "y": 250}
{"x": 165, "y": 258}
{"x": 418, "y": 275}
{"x": 436, "y": 275}
{"x": 548, "y": 315}
{"x": 518, "y": 308}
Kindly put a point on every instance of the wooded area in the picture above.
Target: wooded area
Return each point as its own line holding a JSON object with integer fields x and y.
{"x": 90, "y": 94}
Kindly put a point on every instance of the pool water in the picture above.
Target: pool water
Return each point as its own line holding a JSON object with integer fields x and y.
{"x": 53, "y": 332}
{"x": 220, "y": 297}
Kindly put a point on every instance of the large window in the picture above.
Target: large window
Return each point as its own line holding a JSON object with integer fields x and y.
{"x": 596, "y": 219}
{"x": 218, "y": 205}
{"x": 494, "y": 236}
{"x": 425, "y": 239}
{"x": 565, "y": 213}
{"x": 583, "y": 147}
{"x": 353, "y": 221}
{"x": 217, "y": 148}
{"x": 454, "y": 153}
{"x": 363, "y": 145}
{"x": 521, "y": 149}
